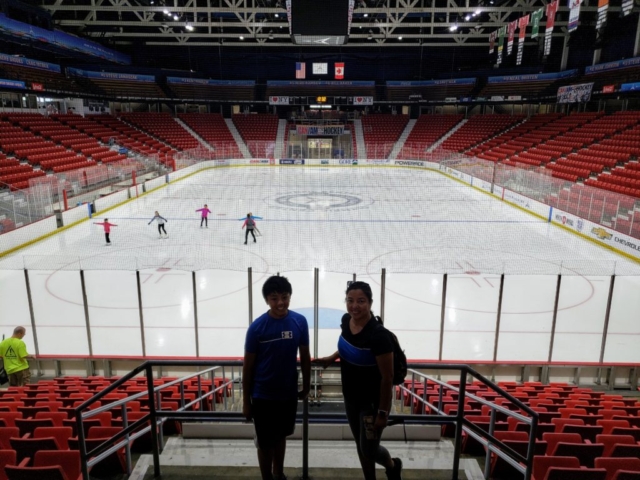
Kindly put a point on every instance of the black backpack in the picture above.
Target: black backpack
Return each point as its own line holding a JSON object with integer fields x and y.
{"x": 399, "y": 358}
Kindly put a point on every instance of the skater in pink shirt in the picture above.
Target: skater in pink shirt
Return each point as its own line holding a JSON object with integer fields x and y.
{"x": 107, "y": 229}
{"x": 205, "y": 215}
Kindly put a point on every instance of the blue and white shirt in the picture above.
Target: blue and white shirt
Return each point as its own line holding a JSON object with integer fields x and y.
{"x": 276, "y": 342}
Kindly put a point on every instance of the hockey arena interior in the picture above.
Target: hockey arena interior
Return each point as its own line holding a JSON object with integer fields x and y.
{"x": 476, "y": 162}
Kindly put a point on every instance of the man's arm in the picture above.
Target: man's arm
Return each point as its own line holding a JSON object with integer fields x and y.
{"x": 305, "y": 366}
{"x": 248, "y": 369}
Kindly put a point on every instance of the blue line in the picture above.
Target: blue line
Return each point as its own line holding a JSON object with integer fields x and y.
{"x": 338, "y": 221}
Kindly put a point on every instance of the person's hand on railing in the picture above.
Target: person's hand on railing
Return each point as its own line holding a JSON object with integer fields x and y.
{"x": 303, "y": 394}
{"x": 325, "y": 362}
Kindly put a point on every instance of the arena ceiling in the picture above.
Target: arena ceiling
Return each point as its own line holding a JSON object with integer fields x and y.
{"x": 242, "y": 23}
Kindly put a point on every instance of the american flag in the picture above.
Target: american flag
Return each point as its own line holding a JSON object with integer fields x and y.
{"x": 300, "y": 70}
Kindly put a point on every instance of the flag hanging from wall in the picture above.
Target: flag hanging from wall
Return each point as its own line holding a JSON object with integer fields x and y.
{"x": 535, "y": 22}
{"x": 512, "y": 33}
{"x": 492, "y": 41}
{"x": 627, "y": 7}
{"x": 301, "y": 70}
{"x": 501, "y": 33}
{"x": 522, "y": 25}
{"x": 574, "y": 14}
{"x": 603, "y": 6}
{"x": 339, "y": 71}
{"x": 552, "y": 8}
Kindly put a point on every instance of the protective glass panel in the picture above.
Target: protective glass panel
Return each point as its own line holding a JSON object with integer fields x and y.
{"x": 114, "y": 317}
{"x": 15, "y": 305}
{"x": 413, "y": 310}
{"x": 624, "y": 322}
{"x": 470, "y": 318}
{"x": 167, "y": 302}
{"x": 59, "y": 310}
{"x": 580, "y": 322}
{"x": 223, "y": 312}
{"x": 527, "y": 316}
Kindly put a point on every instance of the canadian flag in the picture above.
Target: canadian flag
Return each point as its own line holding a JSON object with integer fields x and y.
{"x": 339, "y": 71}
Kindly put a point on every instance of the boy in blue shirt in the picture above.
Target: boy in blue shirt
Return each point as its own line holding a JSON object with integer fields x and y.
{"x": 270, "y": 375}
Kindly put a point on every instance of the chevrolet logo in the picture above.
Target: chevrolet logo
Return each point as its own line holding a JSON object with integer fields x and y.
{"x": 601, "y": 233}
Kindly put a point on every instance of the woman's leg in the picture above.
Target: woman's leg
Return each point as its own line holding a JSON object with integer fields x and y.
{"x": 354, "y": 417}
{"x": 253, "y": 235}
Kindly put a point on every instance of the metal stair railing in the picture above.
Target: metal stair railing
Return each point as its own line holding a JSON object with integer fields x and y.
{"x": 156, "y": 416}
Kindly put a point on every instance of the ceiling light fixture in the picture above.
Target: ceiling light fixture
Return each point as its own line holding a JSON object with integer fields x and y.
{"x": 176, "y": 17}
{"x": 277, "y": 15}
{"x": 366, "y": 15}
{"x": 400, "y": 38}
{"x": 241, "y": 37}
{"x": 453, "y": 28}
{"x": 467, "y": 18}
{"x": 166, "y": 12}
{"x": 189, "y": 27}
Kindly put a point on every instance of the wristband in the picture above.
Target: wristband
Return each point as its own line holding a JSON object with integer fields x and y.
{"x": 383, "y": 413}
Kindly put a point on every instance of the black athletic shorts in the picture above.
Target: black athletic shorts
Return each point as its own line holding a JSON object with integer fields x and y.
{"x": 273, "y": 420}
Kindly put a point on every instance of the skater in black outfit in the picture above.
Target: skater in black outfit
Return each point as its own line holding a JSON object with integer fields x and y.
{"x": 161, "y": 221}
{"x": 250, "y": 223}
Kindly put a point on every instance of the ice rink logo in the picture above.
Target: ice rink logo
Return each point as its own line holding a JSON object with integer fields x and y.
{"x": 601, "y": 233}
{"x": 323, "y": 201}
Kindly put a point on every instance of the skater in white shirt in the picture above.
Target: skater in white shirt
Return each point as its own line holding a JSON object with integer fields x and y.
{"x": 161, "y": 221}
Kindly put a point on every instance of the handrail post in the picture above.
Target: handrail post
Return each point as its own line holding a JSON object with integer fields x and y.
{"x": 305, "y": 439}
{"x": 443, "y": 313}
{"x": 127, "y": 448}
{"x": 153, "y": 424}
{"x": 487, "y": 460}
{"x": 459, "y": 421}
{"x": 82, "y": 447}
{"x": 555, "y": 317}
{"x": 250, "y": 291}
{"x": 531, "y": 447}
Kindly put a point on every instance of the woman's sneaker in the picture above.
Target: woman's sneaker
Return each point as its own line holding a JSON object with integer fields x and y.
{"x": 395, "y": 473}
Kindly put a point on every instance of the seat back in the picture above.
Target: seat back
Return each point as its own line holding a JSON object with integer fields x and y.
{"x": 61, "y": 434}
{"x": 634, "y": 432}
{"x": 7, "y": 457}
{"x": 586, "y": 432}
{"x": 57, "y": 417}
{"x": 609, "y": 425}
{"x": 626, "y": 475}
{"x": 5, "y": 434}
{"x": 27, "y": 447}
{"x": 586, "y": 453}
{"x": 28, "y": 425}
{"x": 542, "y": 463}
{"x": 553, "y": 439}
{"x": 555, "y": 473}
{"x": 610, "y": 441}
{"x": 15, "y": 472}
{"x": 625, "y": 451}
{"x": 69, "y": 460}
{"x": 612, "y": 465}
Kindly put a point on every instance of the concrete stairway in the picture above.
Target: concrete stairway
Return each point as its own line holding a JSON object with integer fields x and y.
{"x": 362, "y": 149}
{"x": 202, "y": 141}
{"x": 447, "y": 135}
{"x": 279, "y": 148}
{"x": 238, "y": 138}
{"x": 403, "y": 138}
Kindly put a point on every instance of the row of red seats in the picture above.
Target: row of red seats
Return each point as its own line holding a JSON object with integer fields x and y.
{"x": 578, "y": 172}
{"x": 592, "y": 167}
{"x": 619, "y": 180}
{"x": 613, "y": 187}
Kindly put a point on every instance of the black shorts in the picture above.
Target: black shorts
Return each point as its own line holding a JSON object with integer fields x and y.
{"x": 273, "y": 420}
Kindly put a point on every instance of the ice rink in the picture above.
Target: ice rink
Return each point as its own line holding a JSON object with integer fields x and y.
{"x": 417, "y": 224}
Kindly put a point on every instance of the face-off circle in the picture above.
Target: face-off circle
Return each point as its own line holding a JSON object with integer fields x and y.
{"x": 320, "y": 201}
